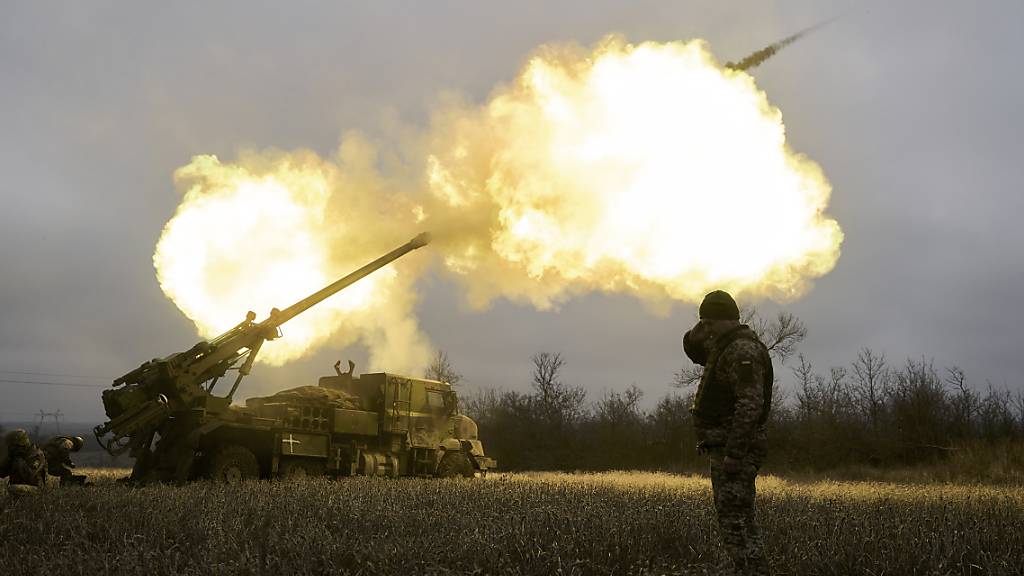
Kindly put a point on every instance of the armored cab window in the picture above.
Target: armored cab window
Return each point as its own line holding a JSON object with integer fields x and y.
{"x": 435, "y": 399}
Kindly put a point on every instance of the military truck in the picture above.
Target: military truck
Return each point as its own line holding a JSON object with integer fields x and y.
{"x": 165, "y": 413}
{"x": 376, "y": 424}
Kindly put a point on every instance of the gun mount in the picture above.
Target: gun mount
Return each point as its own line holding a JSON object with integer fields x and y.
{"x": 166, "y": 399}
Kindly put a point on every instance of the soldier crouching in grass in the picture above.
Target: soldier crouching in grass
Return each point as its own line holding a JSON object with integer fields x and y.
{"x": 25, "y": 465}
{"x": 58, "y": 459}
{"x": 729, "y": 413}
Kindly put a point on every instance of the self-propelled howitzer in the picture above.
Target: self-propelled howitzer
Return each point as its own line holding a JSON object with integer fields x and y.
{"x": 166, "y": 399}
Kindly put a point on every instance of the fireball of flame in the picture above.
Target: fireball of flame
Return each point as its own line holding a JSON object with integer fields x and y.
{"x": 251, "y": 240}
{"x": 647, "y": 169}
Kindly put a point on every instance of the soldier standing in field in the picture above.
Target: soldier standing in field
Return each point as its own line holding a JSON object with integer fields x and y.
{"x": 58, "y": 458}
{"x": 25, "y": 464}
{"x": 729, "y": 410}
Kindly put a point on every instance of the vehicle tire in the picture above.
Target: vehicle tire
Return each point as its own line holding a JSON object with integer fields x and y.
{"x": 233, "y": 464}
{"x": 455, "y": 464}
{"x": 297, "y": 468}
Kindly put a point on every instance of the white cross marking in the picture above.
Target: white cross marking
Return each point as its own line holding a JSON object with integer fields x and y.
{"x": 291, "y": 442}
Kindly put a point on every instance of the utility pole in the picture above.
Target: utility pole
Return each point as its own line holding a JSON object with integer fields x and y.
{"x": 42, "y": 416}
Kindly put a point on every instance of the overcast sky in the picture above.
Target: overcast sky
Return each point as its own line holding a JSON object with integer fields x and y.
{"x": 911, "y": 108}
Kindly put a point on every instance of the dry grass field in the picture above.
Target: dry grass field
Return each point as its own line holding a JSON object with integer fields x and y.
{"x": 612, "y": 523}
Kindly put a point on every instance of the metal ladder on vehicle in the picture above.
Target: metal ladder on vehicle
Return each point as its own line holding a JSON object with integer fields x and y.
{"x": 396, "y": 406}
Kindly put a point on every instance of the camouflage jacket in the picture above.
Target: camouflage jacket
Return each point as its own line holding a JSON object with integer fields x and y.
{"x": 741, "y": 368}
{"x": 25, "y": 467}
{"x": 58, "y": 454}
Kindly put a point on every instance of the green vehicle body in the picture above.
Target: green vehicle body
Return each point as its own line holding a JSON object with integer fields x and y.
{"x": 165, "y": 413}
{"x": 384, "y": 425}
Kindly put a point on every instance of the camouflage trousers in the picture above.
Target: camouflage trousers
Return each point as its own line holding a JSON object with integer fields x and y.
{"x": 734, "y": 503}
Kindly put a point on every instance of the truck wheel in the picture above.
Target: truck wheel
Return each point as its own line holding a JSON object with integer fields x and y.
{"x": 455, "y": 464}
{"x": 295, "y": 468}
{"x": 232, "y": 464}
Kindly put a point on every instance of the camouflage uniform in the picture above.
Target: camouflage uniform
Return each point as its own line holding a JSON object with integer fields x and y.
{"x": 730, "y": 409}
{"x": 58, "y": 458}
{"x": 25, "y": 464}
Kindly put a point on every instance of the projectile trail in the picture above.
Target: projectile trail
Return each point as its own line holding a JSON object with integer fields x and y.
{"x": 757, "y": 58}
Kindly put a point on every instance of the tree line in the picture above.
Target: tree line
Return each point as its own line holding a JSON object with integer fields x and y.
{"x": 870, "y": 413}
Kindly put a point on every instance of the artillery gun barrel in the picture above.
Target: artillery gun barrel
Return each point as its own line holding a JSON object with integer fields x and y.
{"x": 301, "y": 306}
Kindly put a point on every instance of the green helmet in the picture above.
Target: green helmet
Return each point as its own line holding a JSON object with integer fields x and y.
{"x": 18, "y": 439}
{"x": 77, "y": 441}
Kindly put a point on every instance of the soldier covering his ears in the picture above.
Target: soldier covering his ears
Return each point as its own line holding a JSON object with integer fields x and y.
{"x": 729, "y": 411}
{"x": 58, "y": 458}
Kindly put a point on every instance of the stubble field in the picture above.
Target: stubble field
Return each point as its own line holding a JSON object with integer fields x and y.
{"x": 612, "y": 523}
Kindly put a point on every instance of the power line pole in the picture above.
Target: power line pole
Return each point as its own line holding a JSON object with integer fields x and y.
{"x": 42, "y": 416}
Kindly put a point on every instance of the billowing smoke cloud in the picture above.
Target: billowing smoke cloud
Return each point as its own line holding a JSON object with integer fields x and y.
{"x": 647, "y": 169}
{"x": 272, "y": 228}
{"x": 644, "y": 169}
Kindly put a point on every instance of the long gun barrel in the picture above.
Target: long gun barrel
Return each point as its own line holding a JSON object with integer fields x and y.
{"x": 306, "y": 303}
{"x": 268, "y": 329}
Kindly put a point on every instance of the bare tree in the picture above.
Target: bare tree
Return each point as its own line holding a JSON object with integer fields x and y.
{"x": 1018, "y": 403}
{"x": 687, "y": 376}
{"x": 920, "y": 406}
{"x": 871, "y": 384}
{"x": 839, "y": 390}
{"x": 806, "y": 379}
{"x": 546, "y": 369}
{"x": 821, "y": 395}
{"x": 995, "y": 418}
{"x": 618, "y": 408}
{"x": 441, "y": 369}
{"x": 559, "y": 403}
{"x": 481, "y": 404}
{"x": 781, "y": 335}
{"x": 965, "y": 402}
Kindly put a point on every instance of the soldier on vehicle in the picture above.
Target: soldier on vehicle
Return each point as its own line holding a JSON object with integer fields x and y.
{"x": 58, "y": 458}
{"x": 729, "y": 410}
{"x": 25, "y": 464}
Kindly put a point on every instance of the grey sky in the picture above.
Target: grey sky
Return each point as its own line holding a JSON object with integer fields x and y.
{"x": 912, "y": 109}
